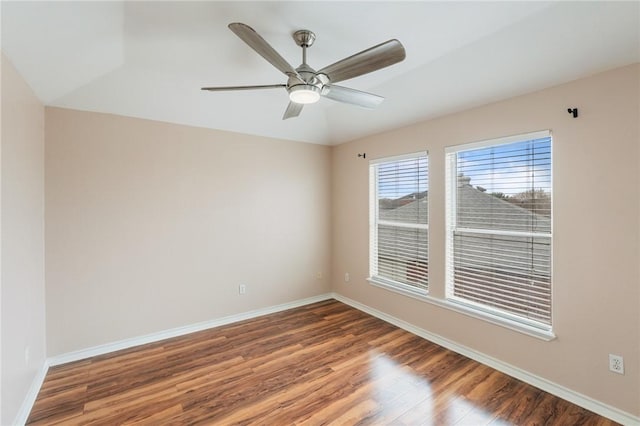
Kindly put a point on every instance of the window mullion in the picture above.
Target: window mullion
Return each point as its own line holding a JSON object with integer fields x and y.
{"x": 403, "y": 224}
{"x": 502, "y": 232}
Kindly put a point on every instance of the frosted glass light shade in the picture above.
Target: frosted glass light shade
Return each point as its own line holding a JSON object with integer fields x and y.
{"x": 304, "y": 94}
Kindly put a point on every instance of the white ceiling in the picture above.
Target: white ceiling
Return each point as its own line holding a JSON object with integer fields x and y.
{"x": 149, "y": 59}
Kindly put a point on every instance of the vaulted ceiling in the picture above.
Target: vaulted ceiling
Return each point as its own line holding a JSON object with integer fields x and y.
{"x": 149, "y": 59}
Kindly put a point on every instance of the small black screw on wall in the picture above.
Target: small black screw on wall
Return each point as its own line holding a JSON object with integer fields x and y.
{"x": 363, "y": 155}
{"x": 573, "y": 111}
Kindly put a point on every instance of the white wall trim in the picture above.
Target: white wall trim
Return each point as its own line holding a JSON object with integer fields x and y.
{"x": 32, "y": 394}
{"x": 180, "y": 331}
{"x": 532, "y": 379}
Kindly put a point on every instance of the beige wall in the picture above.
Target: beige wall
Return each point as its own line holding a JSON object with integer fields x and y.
{"x": 22, "y": 277}
{"x": 151, "y": 226}
{"x": 596, "y": 285}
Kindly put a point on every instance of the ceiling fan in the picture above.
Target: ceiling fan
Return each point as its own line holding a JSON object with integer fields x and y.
{"x": 306, "y": 85}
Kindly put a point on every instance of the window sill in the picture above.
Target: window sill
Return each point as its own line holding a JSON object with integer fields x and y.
{"x": 546, "y": 335}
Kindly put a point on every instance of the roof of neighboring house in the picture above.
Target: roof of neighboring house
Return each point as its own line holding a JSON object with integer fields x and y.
{"x": 413, "y": 208}
{"x": 473, "y": 204}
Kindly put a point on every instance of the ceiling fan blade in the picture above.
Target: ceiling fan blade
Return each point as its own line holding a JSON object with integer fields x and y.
{"x": 293, "y": 110}
{"x": 372, "y": 59}
{"x": 260, "y": 45}
{"x": 263, "y": 86}
{"x": 353, "y": 97}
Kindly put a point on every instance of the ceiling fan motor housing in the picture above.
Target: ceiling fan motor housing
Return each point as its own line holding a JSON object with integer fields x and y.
{"x": 312, "y": 83}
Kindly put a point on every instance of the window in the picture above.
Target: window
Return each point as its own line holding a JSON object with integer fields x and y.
{"x": 399, "y": 223}
{"x": 499, "y": 228}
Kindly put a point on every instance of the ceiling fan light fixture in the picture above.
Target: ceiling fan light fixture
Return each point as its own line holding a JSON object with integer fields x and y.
{"x": 304, "y": 94}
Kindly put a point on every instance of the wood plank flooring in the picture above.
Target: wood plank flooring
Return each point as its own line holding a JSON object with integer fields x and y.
{"x": 324, "y": 363}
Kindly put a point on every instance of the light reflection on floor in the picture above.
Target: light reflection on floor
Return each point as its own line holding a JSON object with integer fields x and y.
{"x": 404, "y": 397}
{"x": 462, "y": 412}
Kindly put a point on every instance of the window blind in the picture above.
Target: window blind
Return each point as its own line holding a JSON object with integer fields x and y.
{"x": 499, "y": 227}
{"x": 399, "y": 222}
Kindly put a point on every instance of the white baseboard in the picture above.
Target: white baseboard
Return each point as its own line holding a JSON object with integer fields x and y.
{"x": 32, "y": 394}
{"x": 584, "y": 401}
{"x": 180, "y": 331}
{"x": 539, "y": 382}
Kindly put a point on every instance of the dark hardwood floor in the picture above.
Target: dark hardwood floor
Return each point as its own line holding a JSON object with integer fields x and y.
{"x": 325, "y": 363}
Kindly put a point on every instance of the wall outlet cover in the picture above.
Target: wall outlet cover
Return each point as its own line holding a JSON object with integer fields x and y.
{"x": 616, "y": 363}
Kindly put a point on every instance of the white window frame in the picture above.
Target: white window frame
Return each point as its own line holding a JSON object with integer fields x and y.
{"x": 374, "y": 221}
{"x": 469, "y": 307}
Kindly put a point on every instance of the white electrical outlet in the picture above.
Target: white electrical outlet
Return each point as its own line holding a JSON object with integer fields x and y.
{"x": 242, "y": 289}
{"x": 616, "y": 364}
{"x": 346, "y": 277}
